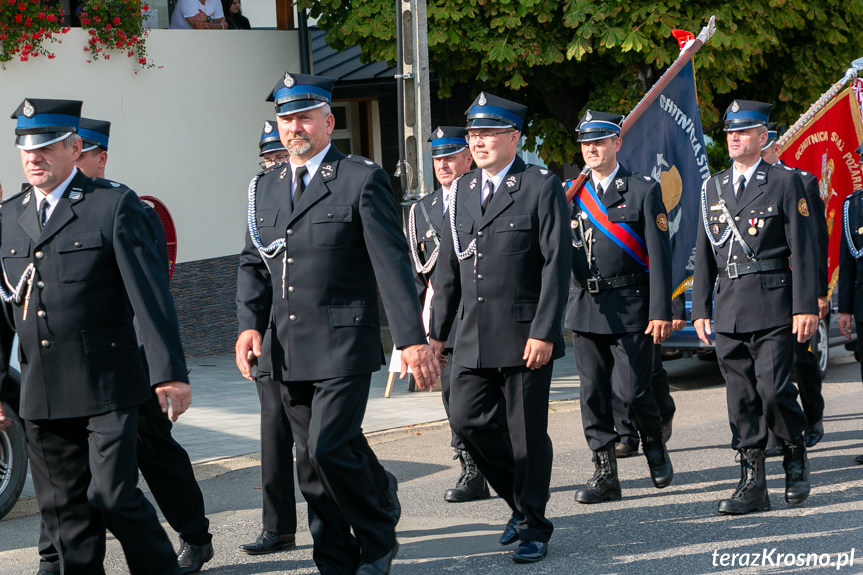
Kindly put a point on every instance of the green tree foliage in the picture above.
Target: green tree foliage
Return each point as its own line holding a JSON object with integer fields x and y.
{"x": 562, "y": 56}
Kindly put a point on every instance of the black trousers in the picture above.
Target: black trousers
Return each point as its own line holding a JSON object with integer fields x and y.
{"x": 757, "y": 371}
{"x": 338, "y": 472}
{"x": 85, "y": 476}
{"x": 661, "y": 394}
{"x": 808, "y": 377}
{"x": 515, "y": 457}
{"x": 168, "y": 470}
{"x": 279, "y": 512}
{"x": 445, "y": 376}
{"x": 615, "y": 365}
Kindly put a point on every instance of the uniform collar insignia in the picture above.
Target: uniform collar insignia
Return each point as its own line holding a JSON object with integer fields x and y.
{"x": 725, "y": 180}
{"x": 510, "y": 182}
{"x": 759, "y": 176}
{"x": 326, "y": 171}
{"x": 29, "y": 110}
{"x": 543, "y": 171}
{"x": 283, "y": 173}
{"x": 473, "y": 183}
{"x": 482, "y": 99}
{"x": 267, "y": 128}
{"x": 434, "y": 202}
{"x": 735, "y": 107}
{"x": 26, "y": 199}
{"x": 75, "y": 195}
{"x": 369, "y": 162}
{"x": 439, "y": 133}
{"x": 115, "y": 184}
{"x": 618, "y": 183}
{"x": 289, "y": 81}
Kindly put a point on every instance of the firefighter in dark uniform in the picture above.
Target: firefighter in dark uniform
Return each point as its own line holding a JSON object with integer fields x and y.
{"x": 82, "y": 273}
{"x": 279, "y": 507}
{"x": 506, "y": 259}
{"x": 619, "y": 304}
{"x": 627, "y": 446}
{"x": 757, "y": 229}
{"x": 323, "y": 234}
{"x": 428, "y": 220}
{"x": 850, "y": 282}
{"x": 805, "y": 372}
{"x": 163, "y": 462}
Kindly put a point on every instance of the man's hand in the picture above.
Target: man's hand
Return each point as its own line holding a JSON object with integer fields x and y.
{"x": 537, "y": 352}
{"x": 660, "y": 329}
{"x": 5, "y": 422}
{"x": 678, "y": 324}
{"x": 702, "y": 328}
{"x": 823, "y": 308}
{"x": 180, "y": 394}
{"x": 423, "y": 362}
{"x": 198, "y": 21}
{"x": 804, "y": 325}
{"x": 845, "y": 320}
{"x": 247, "y": 351}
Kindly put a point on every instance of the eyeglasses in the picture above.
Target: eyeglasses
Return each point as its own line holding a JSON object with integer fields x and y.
{"x": 486, "y": 137}
{"x": 272, "y": 161}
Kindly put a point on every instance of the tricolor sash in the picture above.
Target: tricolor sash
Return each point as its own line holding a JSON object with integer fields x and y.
{"x": 621, "y": 234}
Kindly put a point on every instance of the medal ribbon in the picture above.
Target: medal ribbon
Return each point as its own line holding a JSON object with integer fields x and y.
{"x": 621, "y": 234}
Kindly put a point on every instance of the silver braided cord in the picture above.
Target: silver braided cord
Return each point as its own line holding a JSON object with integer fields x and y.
{"x": 413, "y": 242}
{"x": 471, "y": 249}
{"x": 847, "y": 228}
{"x": 274, "y": 248}
{"x": 716, "y": 243}
{"x": 27, "y": 277}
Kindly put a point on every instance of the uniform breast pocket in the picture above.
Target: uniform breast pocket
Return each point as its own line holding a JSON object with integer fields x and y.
{"x": 464, "y": 227}
{"x": 623, "y": 215}
{"x": 16, "y": 256}
{"x": 78, "y": 253}
{"x": 512, "y": 233}
{"x": 331, "y": 226}
{"x": 266, "y": 222}
{"x": 759, "y": 216}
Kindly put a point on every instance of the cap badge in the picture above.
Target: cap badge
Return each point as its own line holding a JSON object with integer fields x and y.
{"x": 618, "y": 183}
{"x": 289, "y": 81}
{"x": 735, "y": 107}
{"x": 510, "y": 182}
{"x": 29, "y": 110}
{"x": 439, "y": 133}
{"x": 482, "y": 99}
{"x": 268, "y": 128}
{"x": 588, "y": 117}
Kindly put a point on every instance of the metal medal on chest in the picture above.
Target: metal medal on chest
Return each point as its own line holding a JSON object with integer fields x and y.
{"x": 716, "y": 229}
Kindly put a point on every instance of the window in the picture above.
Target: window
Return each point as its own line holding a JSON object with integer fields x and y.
{"x": 341, "y": 136}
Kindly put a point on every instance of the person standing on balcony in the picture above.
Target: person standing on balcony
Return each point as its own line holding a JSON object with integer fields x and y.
{"x": 198, "y": 15}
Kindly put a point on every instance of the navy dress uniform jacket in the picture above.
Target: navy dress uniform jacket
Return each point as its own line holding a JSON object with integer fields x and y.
{"x": 851, "y": 269}
{"x": 97, "y": 272}
{"x": 515, "y": 286}
{"x": 343, "y": 241}
{"x": 637, "y": 201}
{"x": 767, "y": 299}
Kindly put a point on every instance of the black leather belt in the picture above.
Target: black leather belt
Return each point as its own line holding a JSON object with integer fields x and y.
{"x": 735, "y": 270}
{"x": 595, "y": 285}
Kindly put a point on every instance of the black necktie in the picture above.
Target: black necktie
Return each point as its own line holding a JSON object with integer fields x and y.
{"x": 599, "y": 190}
{"x": 487, "y": 199}
{"x": 741, "y": 183}
{"x": 43, "y": 213}
{"x": 301, "y": 184}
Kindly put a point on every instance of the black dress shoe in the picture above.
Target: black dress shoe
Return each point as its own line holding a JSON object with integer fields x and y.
{"x": 269, "y": 542}
{"x": 381, "y": 566}
{"x": 813, "y": 434}
{"x": 471, "y": 485}
{"x": 530, "y": 552}
{"x": 625, "y": 450}
{"x": 859, "y": 459}
{"x": 751, "y": 493}
{"x": 604, "y": 485}
{"x": 192, "y": 557}
{"x": 510, "y": 533}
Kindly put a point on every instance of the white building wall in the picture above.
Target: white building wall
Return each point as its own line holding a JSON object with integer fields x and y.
{"x": 186, "y": 133}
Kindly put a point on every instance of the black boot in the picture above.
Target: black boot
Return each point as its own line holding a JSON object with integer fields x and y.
{"x": 471, "y": 485}
{"x": 751, "y": 493}
{"x": 604, "y": 485}
{"x": 661, "y": 471}
{"x": 796, "y": 465}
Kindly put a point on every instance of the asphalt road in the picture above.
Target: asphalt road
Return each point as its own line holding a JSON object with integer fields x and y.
{"x": 670, "y": 531}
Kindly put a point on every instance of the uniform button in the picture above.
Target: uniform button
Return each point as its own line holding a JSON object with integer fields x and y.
{"x": 290, "y": 289}
{"x": 291, "y": 261}
{"x": 45, "y": 343}
{"x": 330, "y": 216}
{"x": 290, "y": 232}
{"x": 480, "y": 233}
{"x": 479, "y": 255}
{"x": 479, "y": 277}
{"x": 13, "y": 252}
{"x": 480, "y": 299}
{"x": 40, "y": 284}
{"x": 261, "y": 220}
{"x": 734, "y": 257}
{"x": 736, "y": 218}
{"x": 113, "y": 344}
{"x": 77, "y": 244}
{"x": 357, "y": 319}
{"x": 41, "y": 313}
{"x": 39, "y": 255}
{"x": 292, "y": 317}
{"x": 512, "y": 225}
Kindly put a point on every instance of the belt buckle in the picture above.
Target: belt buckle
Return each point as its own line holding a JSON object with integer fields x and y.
{"x": 593, "y": 285}
{"x": 731, "y": 271}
